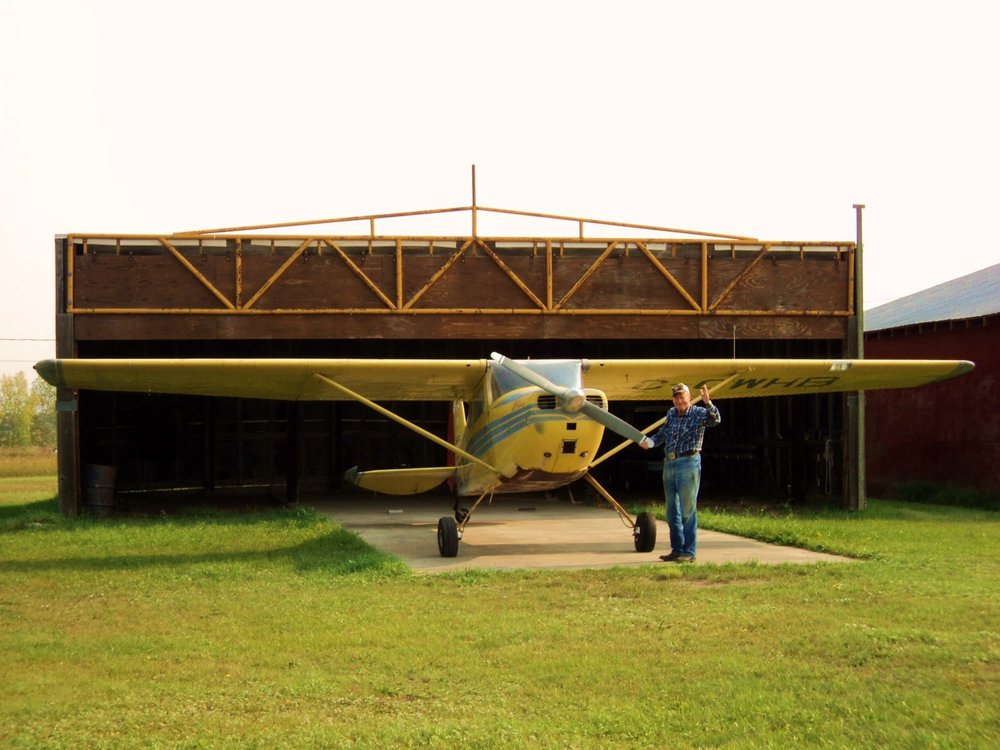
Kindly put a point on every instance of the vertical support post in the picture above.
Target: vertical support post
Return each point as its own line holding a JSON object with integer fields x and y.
{"x": 67, "y": 402}
{"x": 854, "y": 403}
{"x": 475, "y": 212}
{"x": 239, "y": 273}
{"x": 399, "y": 274}
{"x": 859, "y": 281}
{"x": 336, "y": 436}
{"x": 549, "y": 268}
{"x": 292, "y": 452}
{"x": 704, "y": 277}
{"x": 208, "y": 444}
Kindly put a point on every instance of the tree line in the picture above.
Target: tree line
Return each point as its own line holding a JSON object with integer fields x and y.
{"x": 27, "y": 412}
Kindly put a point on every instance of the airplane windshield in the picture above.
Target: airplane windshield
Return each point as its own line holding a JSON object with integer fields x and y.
{"x": 561, "y": 372}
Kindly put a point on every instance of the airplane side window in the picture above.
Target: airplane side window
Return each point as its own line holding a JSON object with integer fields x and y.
{"x": 475, "y": 411}
{"x": 483, "y": 396}
{"x": 504, "y": 381}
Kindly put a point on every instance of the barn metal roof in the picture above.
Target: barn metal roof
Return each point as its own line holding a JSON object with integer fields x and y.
{"x": 969, "y": 296}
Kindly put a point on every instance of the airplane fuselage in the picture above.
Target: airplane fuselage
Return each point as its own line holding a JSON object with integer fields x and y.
{"x": 534, "y": 444}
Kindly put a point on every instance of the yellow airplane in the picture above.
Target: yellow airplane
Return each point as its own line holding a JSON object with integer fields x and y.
{"x": 519, "y": 425}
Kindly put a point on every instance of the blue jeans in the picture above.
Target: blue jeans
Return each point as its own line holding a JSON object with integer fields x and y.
{"x": 681, "y": 480}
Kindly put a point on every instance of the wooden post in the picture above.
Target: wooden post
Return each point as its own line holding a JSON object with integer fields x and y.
{"x": 854, "y": 403}
{"x": 475, "y": 208}
{"x": 292, "y": 452}
{"x": 67, "y": 402}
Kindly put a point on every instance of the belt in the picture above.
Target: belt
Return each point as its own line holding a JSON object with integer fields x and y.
{"x": 682, "y": 454}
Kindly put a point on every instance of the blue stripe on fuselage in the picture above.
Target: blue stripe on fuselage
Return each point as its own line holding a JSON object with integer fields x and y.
{"x": 496, "y": 431}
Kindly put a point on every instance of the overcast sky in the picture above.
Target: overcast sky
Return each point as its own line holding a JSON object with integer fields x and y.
{"x": 767, "y": 119}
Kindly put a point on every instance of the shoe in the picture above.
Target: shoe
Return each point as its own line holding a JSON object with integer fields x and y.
{"x": 683, "y": 558}
{"x": 668, "y": 558}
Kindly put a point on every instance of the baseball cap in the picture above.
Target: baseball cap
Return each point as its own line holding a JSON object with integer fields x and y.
{"x": 679, "y": 388}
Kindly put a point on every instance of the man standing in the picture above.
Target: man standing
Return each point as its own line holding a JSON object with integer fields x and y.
{"x": 681, "y": 436}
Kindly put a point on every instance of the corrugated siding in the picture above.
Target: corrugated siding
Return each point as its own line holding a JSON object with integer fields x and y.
{"x": 972, "y": 296}
{"x": 948, "y": 433}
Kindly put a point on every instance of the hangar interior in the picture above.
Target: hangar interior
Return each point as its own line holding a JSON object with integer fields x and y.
{"x": 247, "y": 292}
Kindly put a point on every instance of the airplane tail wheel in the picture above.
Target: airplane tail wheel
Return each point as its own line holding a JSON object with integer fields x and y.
{"x": 645, "y": 532}
{"x": 447, "y": 537}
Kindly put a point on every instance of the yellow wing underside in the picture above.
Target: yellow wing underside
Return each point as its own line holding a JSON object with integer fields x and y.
{"x": 447, "y": 380}
{"x": 279, "y": 379}
{"x": 409, "y": 481}
{"x": 651, "y": 380}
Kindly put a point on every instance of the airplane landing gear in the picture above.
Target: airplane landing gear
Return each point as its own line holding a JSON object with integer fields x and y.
{"x": 450, "y": 529}
{"x": 645, "y": 532}
{"x": 447, "y": 537}
{"x": 644, "y": 526}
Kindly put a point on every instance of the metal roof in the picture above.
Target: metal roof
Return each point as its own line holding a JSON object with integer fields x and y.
{"x": 971, "y": 296}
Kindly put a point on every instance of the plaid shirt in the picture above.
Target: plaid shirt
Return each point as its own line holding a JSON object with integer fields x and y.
{"x": 685, "y": 432}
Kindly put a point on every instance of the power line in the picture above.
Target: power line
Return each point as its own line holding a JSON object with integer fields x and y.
{"x": 5, "y": 339}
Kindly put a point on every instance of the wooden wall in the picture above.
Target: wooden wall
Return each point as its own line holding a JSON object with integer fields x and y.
{"x": 458, "y": 289}
{"x": 434, "y": 297}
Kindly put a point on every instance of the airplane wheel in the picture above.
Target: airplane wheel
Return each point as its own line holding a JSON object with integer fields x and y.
{"x": 447, "y": 537}
{"x": 645, "y": 532}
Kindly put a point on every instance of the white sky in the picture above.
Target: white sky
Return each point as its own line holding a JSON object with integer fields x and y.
{"x": 768, "y": 119}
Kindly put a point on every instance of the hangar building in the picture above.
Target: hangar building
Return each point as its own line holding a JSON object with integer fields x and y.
{"x": 945, "y": 434}
{"x": 600, "y": 289}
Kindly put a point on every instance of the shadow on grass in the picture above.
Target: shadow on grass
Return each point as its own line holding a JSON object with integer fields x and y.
{"x": 30, "y": 515}
{"x": 336, "y": 552}
{"x": 26, "y": 516}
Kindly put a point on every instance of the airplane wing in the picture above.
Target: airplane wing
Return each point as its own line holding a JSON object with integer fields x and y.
{"x": 281, "y": 379}
{"x": 446, "y": 380}
{"x": 651, "y": 379}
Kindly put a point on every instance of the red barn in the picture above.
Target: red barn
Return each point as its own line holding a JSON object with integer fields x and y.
{"x": 946, "y": 434}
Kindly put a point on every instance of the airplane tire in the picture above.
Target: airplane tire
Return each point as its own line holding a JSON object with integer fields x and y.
{"x": 447, "y": 537}
{"x": 645, "y": 532}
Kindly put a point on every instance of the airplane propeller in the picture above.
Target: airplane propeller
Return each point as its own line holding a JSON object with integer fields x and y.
{"x": 572, "y": 400}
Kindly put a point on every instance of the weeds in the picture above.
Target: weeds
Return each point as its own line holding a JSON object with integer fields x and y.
{"x": 926, "y": 492}
{"x": 27, "y": 462}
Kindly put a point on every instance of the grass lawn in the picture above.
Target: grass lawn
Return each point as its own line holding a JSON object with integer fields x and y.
{"x": 281, "y": 630}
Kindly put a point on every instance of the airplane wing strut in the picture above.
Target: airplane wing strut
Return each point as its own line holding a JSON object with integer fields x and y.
{"x": 405, "y": 422}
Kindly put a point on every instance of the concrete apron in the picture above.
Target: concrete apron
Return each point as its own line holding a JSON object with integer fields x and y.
{"x": 531, "y": 531}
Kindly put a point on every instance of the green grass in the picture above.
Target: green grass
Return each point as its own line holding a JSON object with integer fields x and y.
{"x": 281, "y": 630}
